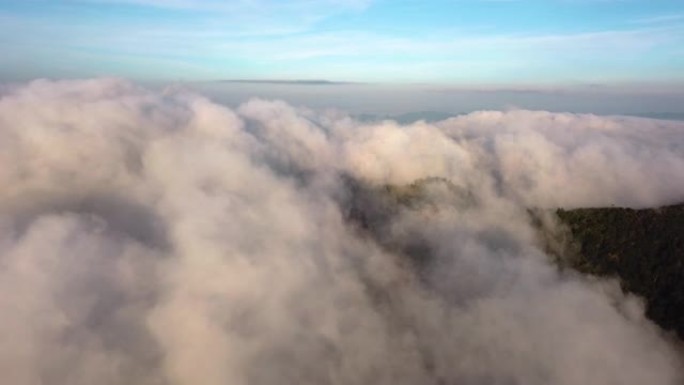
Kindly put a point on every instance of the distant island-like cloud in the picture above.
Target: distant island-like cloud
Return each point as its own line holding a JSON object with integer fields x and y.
{"x": 302, "y": 82}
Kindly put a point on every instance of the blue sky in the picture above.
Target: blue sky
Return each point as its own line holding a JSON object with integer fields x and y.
{"x": 479, "y": 43}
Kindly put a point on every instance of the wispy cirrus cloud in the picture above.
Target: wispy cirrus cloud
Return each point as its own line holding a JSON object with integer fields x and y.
{"x": 347, "y": 40}
{"x": 321, "y": 7}
{"x": 661, "y": 19}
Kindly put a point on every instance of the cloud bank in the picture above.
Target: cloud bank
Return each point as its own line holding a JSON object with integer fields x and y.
{"x": 160, "y": 238}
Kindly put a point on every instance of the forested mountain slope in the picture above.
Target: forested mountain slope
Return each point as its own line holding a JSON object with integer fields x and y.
{"x": 643, "y": 248}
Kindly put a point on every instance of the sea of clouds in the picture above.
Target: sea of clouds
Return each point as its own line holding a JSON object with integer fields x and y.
{"x": 161, "y": 238}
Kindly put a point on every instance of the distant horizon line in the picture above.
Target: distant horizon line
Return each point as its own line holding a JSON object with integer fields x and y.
{"x": 640, "y": 86}
{"x": 304, "y": 82}
{"x": 443, "y": 86}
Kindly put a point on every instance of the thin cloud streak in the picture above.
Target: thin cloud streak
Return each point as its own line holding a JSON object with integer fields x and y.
{"x": 303, "y": 82}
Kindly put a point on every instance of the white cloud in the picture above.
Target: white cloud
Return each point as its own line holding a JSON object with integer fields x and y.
{"x": 662, "y": 19}
{"x": 155, "y": 238}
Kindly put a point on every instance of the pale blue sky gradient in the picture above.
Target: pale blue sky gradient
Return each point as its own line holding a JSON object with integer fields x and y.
{"x": 463, "y": 43}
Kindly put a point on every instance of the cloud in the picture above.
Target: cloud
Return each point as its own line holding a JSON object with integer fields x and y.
{"x": 160, "y": 238}
{"x": 301, "y": 82}
{"x": 214, "y": 5}
{"x": 662, "y": 19}
{"x": 316, "y": 39}
{"x": 244, "y": 12}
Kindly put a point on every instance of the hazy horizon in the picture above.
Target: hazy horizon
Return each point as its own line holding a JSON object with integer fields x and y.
{"x": 374, "y": 57}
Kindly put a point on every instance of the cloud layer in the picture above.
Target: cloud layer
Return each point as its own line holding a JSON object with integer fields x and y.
{"x": 160, "y": 238}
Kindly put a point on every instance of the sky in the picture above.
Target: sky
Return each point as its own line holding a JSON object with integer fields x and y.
{"x": 483, "y": 43}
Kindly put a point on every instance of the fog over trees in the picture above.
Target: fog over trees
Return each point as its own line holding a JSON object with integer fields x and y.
{"x": 158, "y": 237}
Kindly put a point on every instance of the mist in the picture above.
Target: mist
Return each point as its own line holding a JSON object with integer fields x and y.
{"x": 395, "y": 101}
{"x": 158, "y": 237}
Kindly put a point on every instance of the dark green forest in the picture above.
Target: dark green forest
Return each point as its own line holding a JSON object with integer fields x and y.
{"x": 643, "y": 248}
